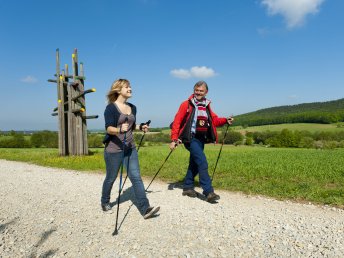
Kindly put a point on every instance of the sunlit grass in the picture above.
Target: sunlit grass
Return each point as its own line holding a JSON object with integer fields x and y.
{"x": 292, "y": 127}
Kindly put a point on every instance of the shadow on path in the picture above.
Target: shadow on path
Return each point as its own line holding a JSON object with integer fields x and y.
{"x": 5, "y": 225}
{"x": 43, "y": 238}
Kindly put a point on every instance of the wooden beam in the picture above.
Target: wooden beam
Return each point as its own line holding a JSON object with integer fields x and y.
{"x": 74, "y": 111}
{"x": 80, "y": 95}
{"x": 90, "y": 117}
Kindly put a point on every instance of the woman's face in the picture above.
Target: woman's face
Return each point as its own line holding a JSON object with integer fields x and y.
{"x": 126, "y": 91}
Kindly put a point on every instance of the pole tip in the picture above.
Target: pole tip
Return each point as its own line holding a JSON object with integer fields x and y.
{"x": 93, "y": 89}
{"x": 115, "y": 233}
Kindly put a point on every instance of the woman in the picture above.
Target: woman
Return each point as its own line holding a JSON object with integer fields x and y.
{"x": 120, "y": 118}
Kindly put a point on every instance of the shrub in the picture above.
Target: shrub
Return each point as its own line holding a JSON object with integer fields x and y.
{"x": 249, "y": 141}
{"x": 306, "y": 142}
{"x": 95, "y": 140}
{"x": 16, "y": 141}
{"x": 233, "y": 137}
{"x": 330, "y": 145}
{"x": 45, "y": 138}
{"x": 318, "y": 145}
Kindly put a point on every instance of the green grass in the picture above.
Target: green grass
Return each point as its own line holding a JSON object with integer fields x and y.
{"x": 298, "y": 126}
{"x": 296, "y": 174}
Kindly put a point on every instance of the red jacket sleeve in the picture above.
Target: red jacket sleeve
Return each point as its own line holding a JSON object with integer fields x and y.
{"x": 177, "y": 122}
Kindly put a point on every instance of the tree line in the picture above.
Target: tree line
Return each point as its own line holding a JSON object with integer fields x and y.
{"x": 318, "y": 112}
{"x": 283, "y": 138}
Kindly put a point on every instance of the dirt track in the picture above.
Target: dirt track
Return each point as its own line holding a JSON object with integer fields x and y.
{"x": 47, "y": 212}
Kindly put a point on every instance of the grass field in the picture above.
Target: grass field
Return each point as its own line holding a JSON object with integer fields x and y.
{"x": 299, "y": 127}
{"x": 292, "y": 127}
{"x": 296, "y": 174}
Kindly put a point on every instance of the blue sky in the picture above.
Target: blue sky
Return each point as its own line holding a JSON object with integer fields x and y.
{"x": 253, "y": 54}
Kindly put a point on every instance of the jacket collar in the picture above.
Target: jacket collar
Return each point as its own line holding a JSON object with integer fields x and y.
{"x": 207, "y": 101}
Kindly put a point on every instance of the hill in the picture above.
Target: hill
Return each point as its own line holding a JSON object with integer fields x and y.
{"x": 317, "y": 112}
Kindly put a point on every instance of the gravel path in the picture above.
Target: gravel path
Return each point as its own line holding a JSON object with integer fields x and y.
{"x": 48, "y": 212}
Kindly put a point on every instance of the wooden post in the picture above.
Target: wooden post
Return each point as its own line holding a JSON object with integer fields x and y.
{"x": 83, "y": 114}
{"x": 66, "y": 110}
{"x": 78, "y": 119}
{"x": 62, "y": 115}
{"x": 59, "y": 104}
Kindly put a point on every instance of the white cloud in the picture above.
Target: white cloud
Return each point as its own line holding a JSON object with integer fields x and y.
{"x": 194, "y": 72}
{"x": 294, "y": 11}
{"x": 29, "y": 79}
{"x": 181, "y": 73}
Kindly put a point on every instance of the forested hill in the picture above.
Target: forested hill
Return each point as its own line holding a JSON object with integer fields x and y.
{"x": 316, "y": 112}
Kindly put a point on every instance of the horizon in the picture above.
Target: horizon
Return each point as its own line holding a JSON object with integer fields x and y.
{"x": 253, "y": 55}
{"x": 167, "y": 126}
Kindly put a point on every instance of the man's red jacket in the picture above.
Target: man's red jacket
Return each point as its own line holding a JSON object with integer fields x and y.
{"x": 181, "y": 126}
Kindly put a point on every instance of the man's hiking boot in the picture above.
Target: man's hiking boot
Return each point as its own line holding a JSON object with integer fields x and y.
{"x": 151, "y": 211}
{"x": 106, "y": 206}
{"x": 190, "y": 192}
{"x": 212, "y": 197}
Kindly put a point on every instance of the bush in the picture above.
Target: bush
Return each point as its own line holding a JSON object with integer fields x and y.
{"x": 306, "y": 142}
{"x": 95, "y": 140}
{"x": 341, "y": 144}
{"x": 318, "y": 145}
{"x": 237, "y": 143}
{"x": 249, "y": 141}
{"x": 330, "y": 145}
{"x": 233, "y": 137}
{"x": 16, "y": 141}
{"x": 45, "y": 138}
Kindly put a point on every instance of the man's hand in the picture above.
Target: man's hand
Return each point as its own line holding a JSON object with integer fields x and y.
{"x": 144, "y": 127}
{"x": 175, "y": 144}
{"x": 230, "y": 120}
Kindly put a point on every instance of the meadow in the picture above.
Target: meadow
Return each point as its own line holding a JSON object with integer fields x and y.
{"x": 292, "y": 127}
{"x": 303, "y": 175}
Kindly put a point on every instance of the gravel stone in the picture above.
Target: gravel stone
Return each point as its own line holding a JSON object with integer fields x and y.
{"x": 49, "y": 212}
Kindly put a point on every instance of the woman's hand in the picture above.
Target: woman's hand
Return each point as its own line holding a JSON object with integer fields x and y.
{"x": 124, "y": 127}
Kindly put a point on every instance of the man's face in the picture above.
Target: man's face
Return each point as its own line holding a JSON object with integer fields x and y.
{"x": 200, "y": 92}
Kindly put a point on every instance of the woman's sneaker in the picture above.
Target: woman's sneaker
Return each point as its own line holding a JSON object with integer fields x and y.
{"x": 106, "y": 206}
{"x": 212, "y": 197}
{"x": 151, "y": 211}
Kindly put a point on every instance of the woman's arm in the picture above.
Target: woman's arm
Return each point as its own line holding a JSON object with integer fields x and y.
{"x": 113, "y": 130}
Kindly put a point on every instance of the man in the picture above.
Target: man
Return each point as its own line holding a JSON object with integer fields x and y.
{"x": 194, "y": 125}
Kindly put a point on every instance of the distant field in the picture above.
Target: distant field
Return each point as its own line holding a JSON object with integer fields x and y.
{"x": 300, "y": 127}
{"x": 3, "y": 137}
{"x": 282, "y": 173}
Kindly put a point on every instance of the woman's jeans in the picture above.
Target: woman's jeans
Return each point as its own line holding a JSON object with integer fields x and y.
{"x": 113, "y": 163}
{"x": 197, "y": 165}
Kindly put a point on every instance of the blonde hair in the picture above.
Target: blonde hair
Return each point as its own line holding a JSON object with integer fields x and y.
{"x": 115, "y": 89}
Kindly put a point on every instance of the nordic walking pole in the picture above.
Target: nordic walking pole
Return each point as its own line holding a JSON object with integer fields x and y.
{"x": 147, "y": 123}
{"x": 159, "y": 169}
{"x": 120, "y": 182}
{"x": 218, "y": 157}
{"x": 125, "y": 179}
